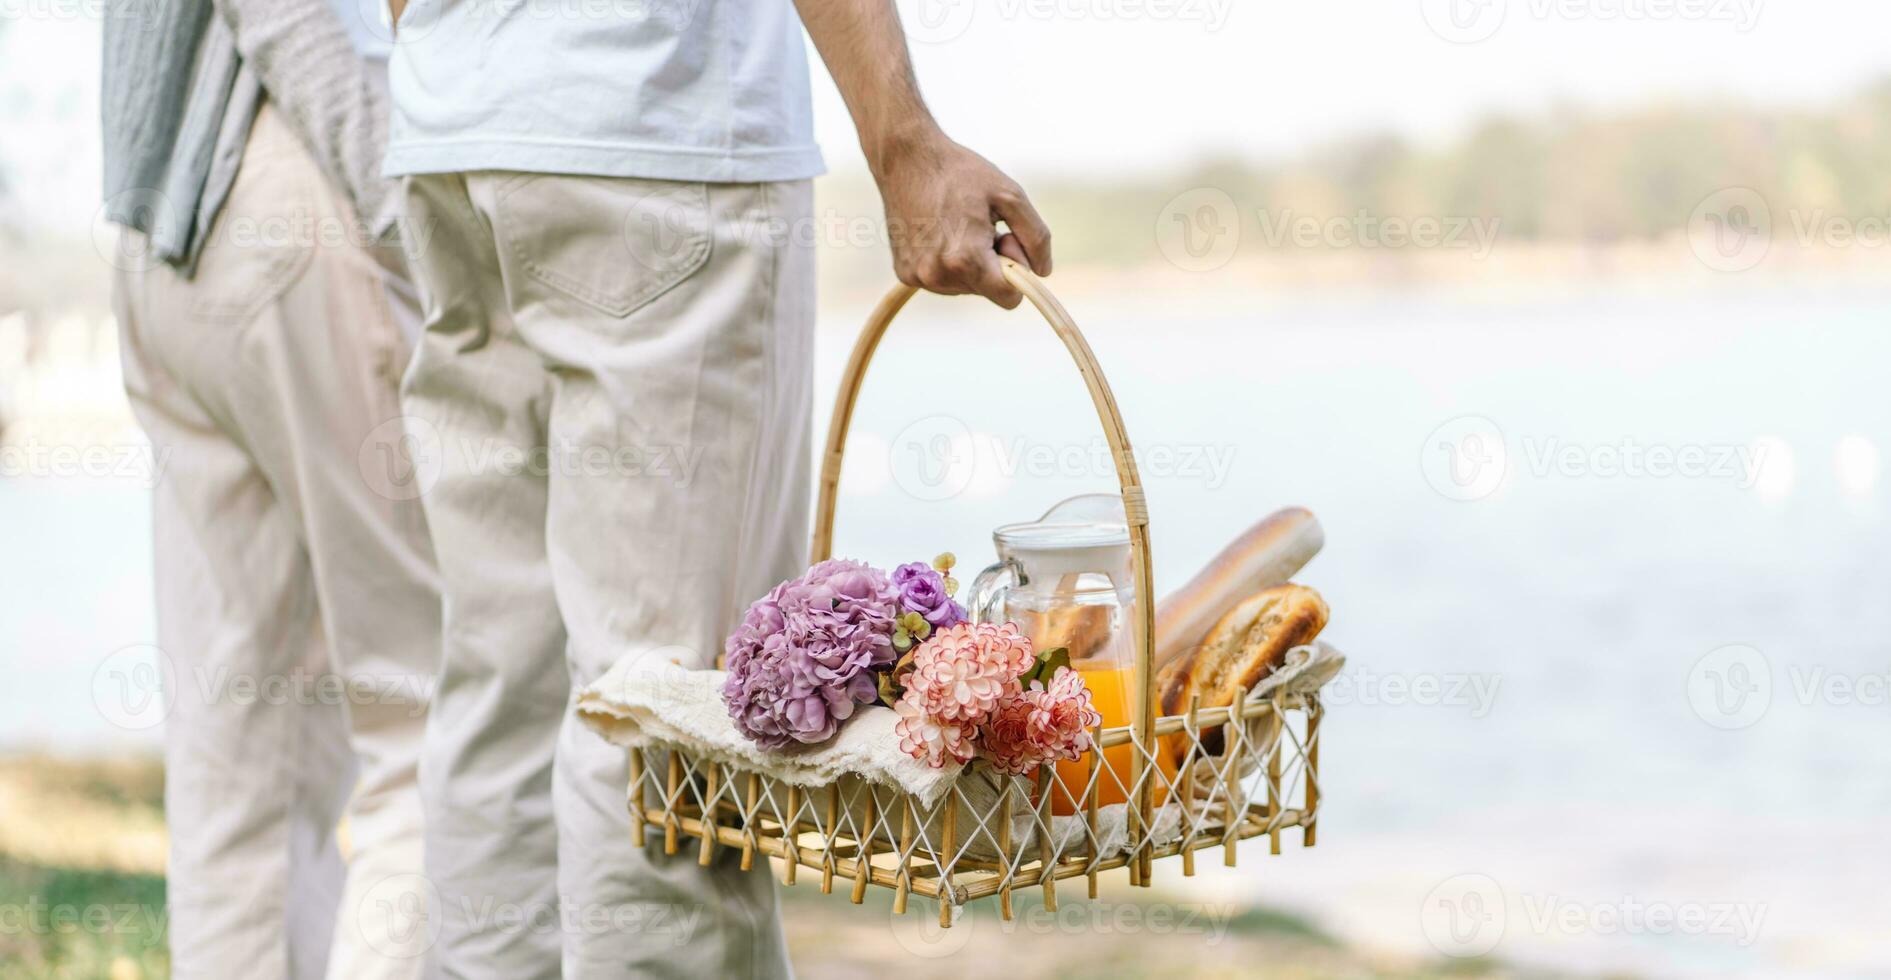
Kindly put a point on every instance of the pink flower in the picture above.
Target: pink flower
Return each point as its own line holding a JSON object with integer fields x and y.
{"x": 962, "y": 672}
{"x": 959, "y": 676}
{"x": 1041, "y": 725}
{"x": 1007, "y": 741}
{"x": 932, "y": 740}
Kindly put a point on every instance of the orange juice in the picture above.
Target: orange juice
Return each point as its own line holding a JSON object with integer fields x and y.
{"x": 1112, "y": 692}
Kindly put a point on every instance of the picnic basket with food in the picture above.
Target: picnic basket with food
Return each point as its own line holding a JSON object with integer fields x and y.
{"x": 869, "y": 728}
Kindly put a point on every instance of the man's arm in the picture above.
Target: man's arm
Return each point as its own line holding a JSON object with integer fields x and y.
{"x": 943, "y": 201}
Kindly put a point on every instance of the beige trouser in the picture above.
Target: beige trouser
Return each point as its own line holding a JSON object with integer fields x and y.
{"x": 614, "y": 386}
{"x": 298, "y": 608}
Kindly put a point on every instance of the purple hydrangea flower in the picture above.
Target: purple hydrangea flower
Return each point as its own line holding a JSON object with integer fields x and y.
{"x": 807, "y": 653}
{"x": 922, "y": 590}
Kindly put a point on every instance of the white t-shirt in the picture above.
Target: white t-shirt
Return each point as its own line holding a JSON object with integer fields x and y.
{"x": 707, "y": 90}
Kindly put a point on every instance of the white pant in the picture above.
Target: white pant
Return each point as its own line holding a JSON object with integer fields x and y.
{"x": 298, "y": 605}
{"x": 614, "y": 386}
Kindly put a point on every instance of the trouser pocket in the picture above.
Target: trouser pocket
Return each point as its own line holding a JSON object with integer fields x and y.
{"x": 612, "y": 243}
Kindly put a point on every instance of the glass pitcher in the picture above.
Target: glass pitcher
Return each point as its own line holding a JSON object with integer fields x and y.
{"x": 1066, "y": 580}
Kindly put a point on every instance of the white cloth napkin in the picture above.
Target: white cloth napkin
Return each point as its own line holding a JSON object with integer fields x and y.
{"x": 638, "y": 703}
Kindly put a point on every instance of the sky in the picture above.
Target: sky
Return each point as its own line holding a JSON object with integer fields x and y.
{"x": 1095, "y": 88}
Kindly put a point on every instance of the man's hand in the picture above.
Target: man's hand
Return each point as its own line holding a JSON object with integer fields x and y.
{"x": 943, "y": 202}
{"x": 942, "y": 205}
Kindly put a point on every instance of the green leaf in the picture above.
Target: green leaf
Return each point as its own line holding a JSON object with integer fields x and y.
{"x": 890, "y": 689}
{"x": 1046, "y": 666}
{"x": 914, "y": 624}
{"x": 892, "y": 683}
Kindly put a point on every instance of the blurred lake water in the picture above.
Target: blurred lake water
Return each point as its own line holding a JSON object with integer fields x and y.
{"x": 1528, "y": 704}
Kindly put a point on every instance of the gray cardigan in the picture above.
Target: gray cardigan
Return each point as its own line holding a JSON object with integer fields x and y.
{"x": 182, "y": 83}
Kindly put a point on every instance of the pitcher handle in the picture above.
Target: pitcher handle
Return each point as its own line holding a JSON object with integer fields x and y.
{"x": 989, "y": 590}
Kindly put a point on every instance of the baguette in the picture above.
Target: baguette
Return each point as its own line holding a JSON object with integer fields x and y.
{"x": 1246, "y": 645}
{"x": 1084, "y": 630}
{"x": 1267, "y": 554}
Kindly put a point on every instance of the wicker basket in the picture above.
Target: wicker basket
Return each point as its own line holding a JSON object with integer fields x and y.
{"x": 991, "y": 834}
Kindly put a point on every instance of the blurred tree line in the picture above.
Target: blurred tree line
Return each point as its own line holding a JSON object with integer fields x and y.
{"x": 1566, "y": 176}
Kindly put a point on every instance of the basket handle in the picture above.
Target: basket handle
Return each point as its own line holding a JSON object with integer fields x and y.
{"x": 1135, "y": 506}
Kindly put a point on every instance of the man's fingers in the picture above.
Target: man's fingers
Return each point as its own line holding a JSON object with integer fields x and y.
{"x": 1009, "y": 248}
{"x": 992, "y": 284}
{"x": 1030, "y": 229}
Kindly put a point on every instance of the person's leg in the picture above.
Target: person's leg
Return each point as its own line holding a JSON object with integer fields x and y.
{"x": 678, "y": 320}
{"x": 304, "y": 601}
{"x": 318, "y": 405}
{"x": 252, "y": 788}
{"x": 478, "y": 401}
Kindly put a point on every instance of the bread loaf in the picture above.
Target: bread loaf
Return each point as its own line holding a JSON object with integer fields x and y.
{"x": 1246, "y": 645}
{"x": 1267, "y": 554}
{"x": 1084, "y": 630}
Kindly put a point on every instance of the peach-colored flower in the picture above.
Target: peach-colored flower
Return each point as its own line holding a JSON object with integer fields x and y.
{"x": 930, "y": 739}
{"x": 959, "y": 676}
{"x": 962, "y": 672}
{"x": 1007, "y": 738}
{"x": 933, "y": 740}
{"x": 1041, "y": 725}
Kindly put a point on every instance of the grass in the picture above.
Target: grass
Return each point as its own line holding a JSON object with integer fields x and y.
{"x": 82, "y": 896}
{"x": 81, "y": 924}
